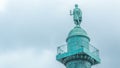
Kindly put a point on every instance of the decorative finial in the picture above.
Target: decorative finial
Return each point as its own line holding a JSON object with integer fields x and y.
{"x": 77, "y": 15}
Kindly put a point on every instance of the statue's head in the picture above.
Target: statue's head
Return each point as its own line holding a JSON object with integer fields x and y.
{"x": 76, "y": 5}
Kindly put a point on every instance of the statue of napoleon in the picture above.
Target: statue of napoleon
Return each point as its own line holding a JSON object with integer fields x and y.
{"x": 77, "y": 15}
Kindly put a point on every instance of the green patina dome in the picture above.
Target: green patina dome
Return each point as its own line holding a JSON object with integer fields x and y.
{"x": 78, "y": 31}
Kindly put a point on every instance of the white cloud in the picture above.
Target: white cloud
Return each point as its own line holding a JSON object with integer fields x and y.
{"x": 26, "y": 58}
{"x": 2, "y": 5}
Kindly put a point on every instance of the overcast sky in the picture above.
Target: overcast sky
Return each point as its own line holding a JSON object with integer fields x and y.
{"x": 31, "y": 31}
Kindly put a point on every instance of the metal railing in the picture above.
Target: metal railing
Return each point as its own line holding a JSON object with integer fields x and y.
{"x": 63, "y": 49}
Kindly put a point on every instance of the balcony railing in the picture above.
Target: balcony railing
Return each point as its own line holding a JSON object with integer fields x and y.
{"x": 63, "y": 49}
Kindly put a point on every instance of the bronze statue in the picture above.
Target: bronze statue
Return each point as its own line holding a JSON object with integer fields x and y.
{"x": 77, "y": 15}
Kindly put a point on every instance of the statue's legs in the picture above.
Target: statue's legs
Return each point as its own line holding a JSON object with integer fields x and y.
{"x": 77, "y": 22}
{"x": 80, "y": 20}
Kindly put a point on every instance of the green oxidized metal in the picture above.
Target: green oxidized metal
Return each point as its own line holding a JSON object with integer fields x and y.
{"x": 78, "y": 53}
{"x": 77, "y": 38}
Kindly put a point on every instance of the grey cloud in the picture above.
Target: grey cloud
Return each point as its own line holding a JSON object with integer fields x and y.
{"x": 45, "y": 24}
